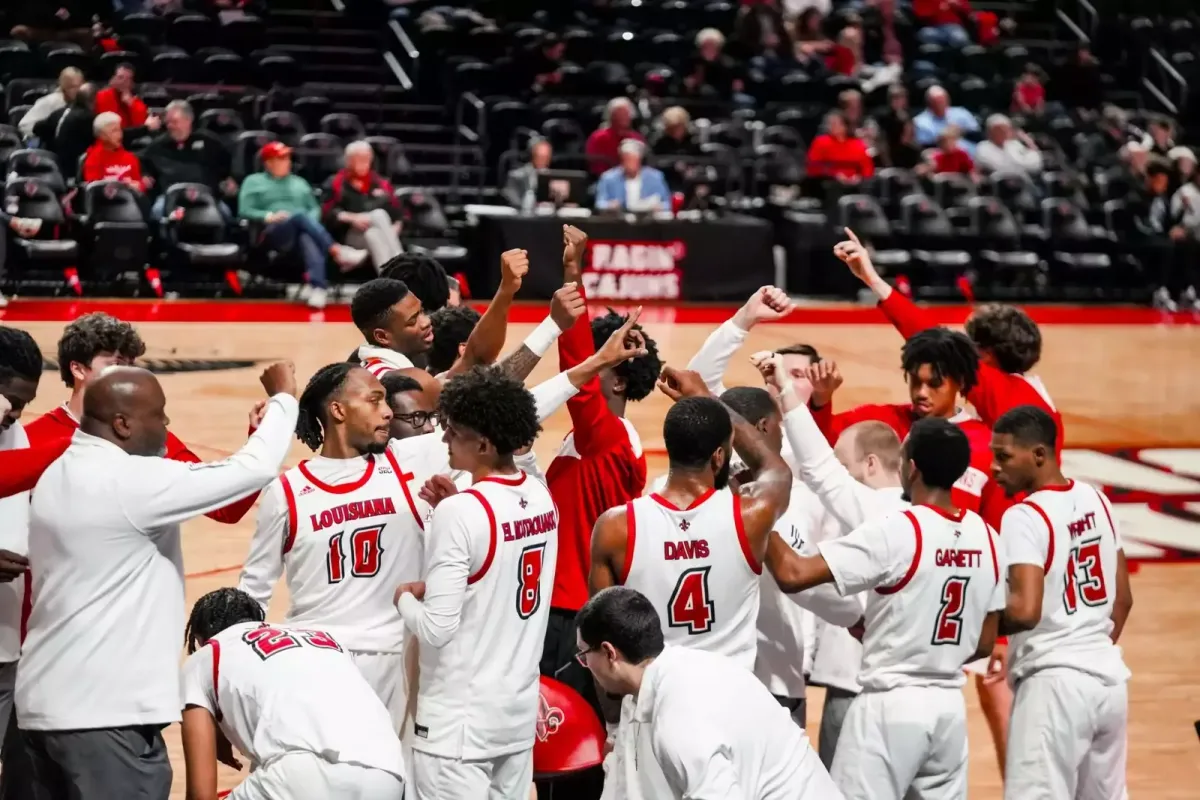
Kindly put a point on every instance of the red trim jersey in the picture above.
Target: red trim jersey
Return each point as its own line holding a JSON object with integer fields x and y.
{"x": 276, "y": 690}
{"x": 696, "y": 567}
{"x": 347, "y": 532}
{"x": 932, "y": 579}
{"x": 482, "y": 623}
{"x": 1069, "y": 532}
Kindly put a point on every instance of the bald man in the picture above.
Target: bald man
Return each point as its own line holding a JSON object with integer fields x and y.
{"x": 99, "y": 676}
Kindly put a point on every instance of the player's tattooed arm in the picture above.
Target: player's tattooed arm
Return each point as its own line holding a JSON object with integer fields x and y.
{"x": 610, "y": 541}
{"x": 520, "y": 362}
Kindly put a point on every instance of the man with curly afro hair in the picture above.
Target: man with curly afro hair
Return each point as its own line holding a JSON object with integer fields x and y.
{"x": 486, "y": 590}
{"x": 1008, "y": 340}
{"x": 88, "y": 346}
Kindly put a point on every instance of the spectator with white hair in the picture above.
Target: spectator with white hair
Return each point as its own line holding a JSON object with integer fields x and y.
{"x": 710, "y": 70}
{"x": 521, "y": 183}
{"x": 359, "y": 206}
{"x": 107, "y": 159}
{"x": 69, "y": 81}
{"x": 602, "y": 146}
{"x": 938, "y": 115}
{"x": 184, "y": 154}
{"x": 632, "y": 186}
{"x": 1007, "y": 149}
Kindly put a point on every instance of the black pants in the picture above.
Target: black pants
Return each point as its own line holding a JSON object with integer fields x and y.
{"x": 559, "y": 662}
{"x": 100, "y": 764}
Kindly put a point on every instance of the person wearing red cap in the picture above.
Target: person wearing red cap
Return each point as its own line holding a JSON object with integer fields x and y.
{"x": 288, "y": 206}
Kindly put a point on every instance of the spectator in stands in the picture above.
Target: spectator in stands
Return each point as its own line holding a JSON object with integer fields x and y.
{"x": 1154, "y": 209}
{"x": 1029, "y": 95}
{"x": 56, "y": 20}
{"x": 710, "y": 71}
{"x": 520, "y": 187}
{"x": 118, "y": 98}
{"x": 942, "y": 22}
{"x": 1183, "y": 159}
{"x": 836, "y": 154}
{"x": 1185, "y": 208}
{"x": 544, "y": 62}
{"x": 891, "y": 122}
{"x": 939, "y": 114}
{"x": 107, "y": 158}
{"x": 1006, "y": 149}
{"x": 950, "y": 156}
{"x": 605, "y": 141}
{"x": 69, "y": 81}
{"x": 632, "y": 186}
{"x": 185, "y": 155}
{"x": 360, "y": 206}
{"x": 286, "y": 203}
{"x": 68, "y": 132}
{"x": 761, "y": 34}
{"x": 1160, "y": 137}
{"x": 675, "y": 140}
{"x": 812, "y": 44}
{"x": 1078, "y": 83}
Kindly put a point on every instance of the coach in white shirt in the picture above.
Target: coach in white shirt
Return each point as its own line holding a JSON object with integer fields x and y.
{"x": 99, "y": 677}
{"x": 711, "y": 727}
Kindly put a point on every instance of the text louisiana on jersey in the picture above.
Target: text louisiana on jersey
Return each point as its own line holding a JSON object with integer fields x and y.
{"x": 1155, "y": 494}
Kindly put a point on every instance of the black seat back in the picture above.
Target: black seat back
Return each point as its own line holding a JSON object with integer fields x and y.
{"x": 199, "y": 219}
{"x": 862, "y": 214}
{"x": 111, "y": 201}
{"x": 34, "y": 198}
{"x": 991, "y": 219}
{"x": 924, "y": 217}
{"x": 36, "y": 164}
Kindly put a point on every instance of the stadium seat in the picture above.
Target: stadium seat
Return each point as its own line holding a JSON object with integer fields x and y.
{"x": 286, "y": 125}
{"x": 192, "y": 32}
{"x": 277, "y": 70}
{"x": 114, "y": 233}
{"x": 150, "y": 27}
{"x": 195, "y": 234}
{"x": 863, "y": 214}
{"x": 173, "y": 66}
{"x": 317, "y": 156}
{"x": 245, "y": 152}
{"x": 222, "y": 122}
{"x": 389, "y": 157}
{"x": 932, "y": 239}
{"x": 243, "y": 34}
{"x": 346, "y": 127}
{"x": 32, "y": 198}
{"x": 16, "y": 61}
{"x": 39, "y": 164}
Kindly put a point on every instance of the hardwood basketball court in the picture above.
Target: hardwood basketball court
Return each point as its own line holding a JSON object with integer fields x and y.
{"x": 1125, "y": 381}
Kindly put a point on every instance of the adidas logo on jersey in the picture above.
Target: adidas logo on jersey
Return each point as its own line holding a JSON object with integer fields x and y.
{"x": 307, "y": 490}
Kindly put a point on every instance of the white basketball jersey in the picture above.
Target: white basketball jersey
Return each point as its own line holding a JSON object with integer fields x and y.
{"x": 478, "y": 695}
{"x": 276, "y": 690}
{"x": 696, "y": 568}
{"x": 349, "y": 546}
{"x": 1080, "y": 548}
{"x": 923, "y": 628}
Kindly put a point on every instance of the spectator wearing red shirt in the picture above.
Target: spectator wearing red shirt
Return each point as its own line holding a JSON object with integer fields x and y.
{"x": 837, "y": 154}
{"x": 119, "y": 99}
{"x": 949, "y": 156}
{"x": 1029, "y": 96}
{"x": 107, "y": 159}
{"x": 359, "y": 206}
{"x": 942, "y": 22}
{"x": 605, "y": 141}
{"x": 599, "y": 466}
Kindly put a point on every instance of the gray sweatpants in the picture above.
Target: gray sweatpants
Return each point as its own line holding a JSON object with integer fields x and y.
{"x": 98, "y": 764}
{"x": 837, "y": 703}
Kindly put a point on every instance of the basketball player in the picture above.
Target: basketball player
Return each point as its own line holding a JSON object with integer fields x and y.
{"x": 938, "y": 594}
{"x": 413, "y": 413}
{"x": 696, "y": 550}
{"x": 425, "y": 277}
{"x": 480, "y": 614}
{"x": 89, "y": 345}
{"x": 99, "y": 676}
{"x": 711, "y": 727}
{"x": 452, "y": 326}
{"x": 345, "y": 528}
{"x": 20, "y": 373}
{"x": 1009, "y": 342}
{"x": 1010, "y": 345}
{"x": 857, "y": 479}
{"x": 1069, "y": 598}
{"x": 288, "y": 698}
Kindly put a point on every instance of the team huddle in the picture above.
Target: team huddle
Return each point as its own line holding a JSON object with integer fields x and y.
{"x": 437, "y": 577}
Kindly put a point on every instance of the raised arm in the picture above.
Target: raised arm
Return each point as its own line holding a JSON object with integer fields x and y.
{"x": 610, "y": 542}
{"x": 486, "y": 341}
{"x": 272, "y": 539}
{"x": 232, "y": 513}
{"x": 712, "y": 359}
{"x": 566, "y": 306}
{"x": 21, "y": 469}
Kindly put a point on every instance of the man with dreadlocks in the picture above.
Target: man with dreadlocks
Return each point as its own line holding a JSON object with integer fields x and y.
{"x": 20, "y": 372}
{"x": 259, "y": 687}
{"x": 424, "y": 276}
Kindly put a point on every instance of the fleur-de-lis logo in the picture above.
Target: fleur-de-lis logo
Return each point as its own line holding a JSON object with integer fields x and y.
{"x": 549, "y": 719}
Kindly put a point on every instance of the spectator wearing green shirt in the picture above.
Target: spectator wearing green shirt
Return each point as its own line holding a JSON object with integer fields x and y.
{"x": 287, "y": 204}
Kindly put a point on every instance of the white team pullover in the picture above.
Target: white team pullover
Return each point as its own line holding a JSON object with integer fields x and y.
{"x": 103, "y": 643}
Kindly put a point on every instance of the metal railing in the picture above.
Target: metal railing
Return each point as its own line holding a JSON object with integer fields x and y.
{"x": 409, "y": 61}
{"x": 1081, "y": 18}
{"x": 470, "y": 119}
{"x": 1164, "y": 83}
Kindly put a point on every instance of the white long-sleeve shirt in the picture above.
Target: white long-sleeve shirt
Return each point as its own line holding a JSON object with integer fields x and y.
{"x": 103, "y": 642}
{"x": 45, "y": 105}
{"x": 838, "y": 655}
{"x": 1013, "y": 156}
{"x": 717, "y": 734}
{"x": 14, "y": 536}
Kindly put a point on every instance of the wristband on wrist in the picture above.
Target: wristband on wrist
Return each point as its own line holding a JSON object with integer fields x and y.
{"x": 787, "y": 391}
{"x": 543, "y": 336}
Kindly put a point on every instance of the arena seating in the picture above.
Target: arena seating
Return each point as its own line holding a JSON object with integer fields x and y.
{"x": 443, "y": 93}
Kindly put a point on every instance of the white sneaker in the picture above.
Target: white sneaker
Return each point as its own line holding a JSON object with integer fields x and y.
{"x": 1189, "y": 300}
{"x": 349, "y": 257}
{"x": 317, "y": 298}
{"x": 1162, "y": 300}
{"x": 3, "y": 301}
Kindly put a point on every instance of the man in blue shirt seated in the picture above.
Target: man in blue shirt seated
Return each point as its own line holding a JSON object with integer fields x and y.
{"x": 939, "y": 115}
{"x": 632, "y": 186}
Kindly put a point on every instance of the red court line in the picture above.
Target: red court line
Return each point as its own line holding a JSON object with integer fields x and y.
{"x": 208, "y": 573}
{"x": 25, "y": 310}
